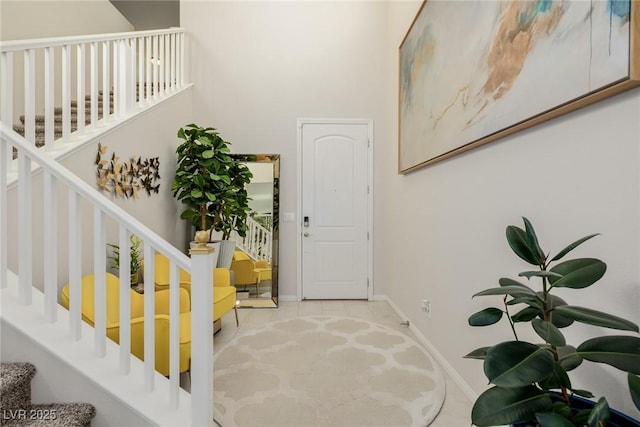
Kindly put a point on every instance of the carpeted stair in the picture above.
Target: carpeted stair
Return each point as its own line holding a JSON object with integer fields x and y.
{"x": 57, "y": 112}
{"x": 16, "y": 408}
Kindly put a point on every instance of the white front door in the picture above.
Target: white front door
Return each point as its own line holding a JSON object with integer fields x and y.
{"x": 335, "y": 216}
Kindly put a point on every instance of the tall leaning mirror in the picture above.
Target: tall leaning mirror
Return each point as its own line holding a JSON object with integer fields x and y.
{"x": 254, "y": 269}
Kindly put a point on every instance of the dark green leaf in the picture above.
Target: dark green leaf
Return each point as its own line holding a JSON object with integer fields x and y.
{"x": 557, "y": 379}
{"x": 569, "y": 359}
{"x": 572, "y": 246}
{"x": 529, "y": 300}
{"x": 596, "y": 318}
{"x": 548, "y": 332}
{"x": 506, "y": 282}
{"x": 208, "y": 154}
{"x": 583, "y": 393}
{"x": 485, "y": 317}
{"x": 196, "y": 193}
{"x": 532, "y": 241}
{"x": 599, "y": 415}
{"x": 479, "y": 353}
{"x": 526, "y": 314}
{"x": 634, "y": 389}
{"x": 517, "y": 239}
{"x": 552, "y": 419}
{"x": 499, "y": 406}
{"x": 538, "y": 273}
{"x": 578, "y": 273}
{"x": 619, "y": 351}
{"x": 557, "y": 319}
{"x": 507, "y": 290}
{"x": 562, "y": 409}
{"x": 515, "y": 364}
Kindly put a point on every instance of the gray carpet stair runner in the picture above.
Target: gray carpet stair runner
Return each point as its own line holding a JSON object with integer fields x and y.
{"x": 16, "y": 408}
{"x": 57, "y": 112}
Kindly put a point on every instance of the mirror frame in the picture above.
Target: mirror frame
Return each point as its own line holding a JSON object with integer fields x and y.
{"x": 275, "y": 233}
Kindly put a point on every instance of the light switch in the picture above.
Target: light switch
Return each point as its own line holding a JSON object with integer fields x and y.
{"x": 288, "y": 216}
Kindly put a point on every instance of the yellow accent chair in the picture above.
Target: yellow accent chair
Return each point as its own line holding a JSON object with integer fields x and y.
{"x": 249, "y": 272}
{"x": 137, "y": 319}
{"x": 224, "y": 295}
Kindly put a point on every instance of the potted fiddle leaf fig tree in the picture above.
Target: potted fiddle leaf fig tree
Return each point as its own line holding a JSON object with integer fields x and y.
{"x": 211, "y": 185}
{"x": 530, "y": 380}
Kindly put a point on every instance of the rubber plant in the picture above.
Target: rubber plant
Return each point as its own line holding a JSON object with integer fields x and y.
{"x": 210, "y": 183}
{"x": 531, "y": 379}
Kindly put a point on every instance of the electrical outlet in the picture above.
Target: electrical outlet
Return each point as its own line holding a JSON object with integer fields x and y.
{"x": 425, "y": 306}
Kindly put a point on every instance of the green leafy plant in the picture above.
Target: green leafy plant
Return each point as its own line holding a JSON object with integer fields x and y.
{"x": 135, "y": 257}
{"x": 530, "y": 380}
{"x": 210, "y": 183}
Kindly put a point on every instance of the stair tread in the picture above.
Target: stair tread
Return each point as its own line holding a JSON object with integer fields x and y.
{"x": 15, "y": 384}
{"x": 51, "y": 415}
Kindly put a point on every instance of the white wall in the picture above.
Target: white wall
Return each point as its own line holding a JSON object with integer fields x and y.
{"x": 443, "y": 226}
{"x": 259, "y": 66}
{"x": 32, "y": 19}
{"x": 152, "y": 134}
{"x": 439, "y": 232}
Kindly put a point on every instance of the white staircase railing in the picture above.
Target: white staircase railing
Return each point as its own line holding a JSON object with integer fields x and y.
{"x": 107, "y": 75}
{"x": 258, "y": 241}
{"x": 200, "y": 266}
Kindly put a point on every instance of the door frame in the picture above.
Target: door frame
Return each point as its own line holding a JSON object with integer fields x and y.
{"x": 300, "y": 123}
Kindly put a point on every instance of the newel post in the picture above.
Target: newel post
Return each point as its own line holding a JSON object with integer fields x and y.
{"x": 203, "y": 260}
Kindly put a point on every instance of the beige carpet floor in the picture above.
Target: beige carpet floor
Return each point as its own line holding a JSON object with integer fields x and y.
{"x": 321, "y": 371}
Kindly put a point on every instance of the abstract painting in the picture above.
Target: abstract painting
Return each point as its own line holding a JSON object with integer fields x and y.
{"x": 474, "y": 71}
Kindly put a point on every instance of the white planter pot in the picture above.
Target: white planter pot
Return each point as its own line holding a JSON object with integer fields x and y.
{"x": 225, "y": 254}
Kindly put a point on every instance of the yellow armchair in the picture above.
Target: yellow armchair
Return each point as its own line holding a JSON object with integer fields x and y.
{"x": 137, "y": 320}
{"x": 249, "y": 272}
{"x": 224, "y": 295}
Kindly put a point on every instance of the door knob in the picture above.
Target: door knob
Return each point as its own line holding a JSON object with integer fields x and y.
{"x": 307, "y": 234}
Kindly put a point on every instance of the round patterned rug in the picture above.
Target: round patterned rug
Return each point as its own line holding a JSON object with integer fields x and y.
{"x": 326, "y": 371}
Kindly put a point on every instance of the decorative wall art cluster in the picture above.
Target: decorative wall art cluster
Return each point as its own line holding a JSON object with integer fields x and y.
{"x": 475, "y": 71}
{"x": 128, "y": 178}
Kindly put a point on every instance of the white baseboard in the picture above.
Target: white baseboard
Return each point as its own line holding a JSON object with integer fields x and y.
{"x": 444, "y": 364}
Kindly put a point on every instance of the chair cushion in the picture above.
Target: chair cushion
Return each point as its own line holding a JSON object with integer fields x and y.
{"x": 224, "y": 299}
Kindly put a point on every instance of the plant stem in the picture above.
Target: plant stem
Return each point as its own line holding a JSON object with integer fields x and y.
{"x": 506, "y": 309}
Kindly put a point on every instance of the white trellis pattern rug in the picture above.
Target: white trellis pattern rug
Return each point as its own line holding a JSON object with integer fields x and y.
{"x": 326, "y": 371}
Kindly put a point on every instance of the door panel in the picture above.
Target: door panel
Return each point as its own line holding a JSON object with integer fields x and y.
{"x": 334, "y": 199}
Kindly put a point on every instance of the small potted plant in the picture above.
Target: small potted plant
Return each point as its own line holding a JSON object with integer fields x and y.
{"x": 211, "y": 185}
{"x": 530, "y": 381}
{"x": 135, "y": 258}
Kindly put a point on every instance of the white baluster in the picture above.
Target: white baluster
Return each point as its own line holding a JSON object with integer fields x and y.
{"x": 94, "y": 84}
{"x": 50, "y": 212}
{"x": 100, "y": 288}
{"x": 124, "y": 270}
{"x": 75, "y": 260}
{"x": 80, "y": 90}
{"x": 25, "y": 228}
{"x": 172, "y": 79}
{"x": 66, "y": 92}
{"x": 148, "y": 68}
{"x": 183, "y": 61}
{"x": 6, "y": 154}
{"x": 166, "y": 63}
{"x": 131, "y": 77}
{"x": 49, "y": 101}
{"x": 29, "y": 96}
{"x": 174, "y": 334}
{"x": 141, "y": 69}
{"x": 161, "y": 66}
{"x": 106, "y": 82}
{"x": 203, "y": 259}
{"x": 155, "y": 63}
{"x": 149, "y": 318}
{"x": 116, "y": 78}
